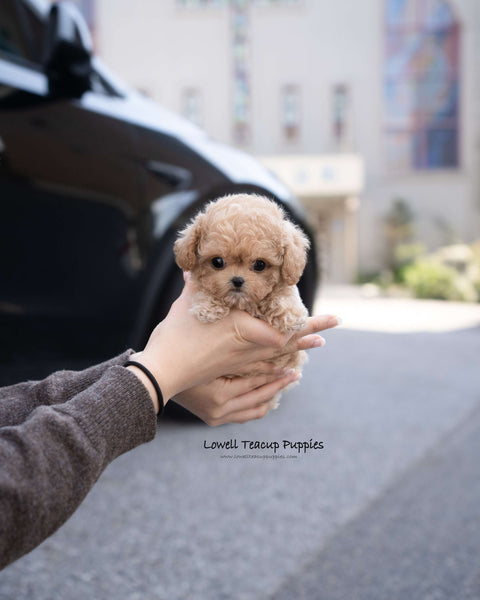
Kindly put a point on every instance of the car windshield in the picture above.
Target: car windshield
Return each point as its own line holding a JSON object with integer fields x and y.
{"x": 22, "y": 26}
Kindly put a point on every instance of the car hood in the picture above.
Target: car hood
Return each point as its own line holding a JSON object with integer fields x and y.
{"x": 236, "y": 165}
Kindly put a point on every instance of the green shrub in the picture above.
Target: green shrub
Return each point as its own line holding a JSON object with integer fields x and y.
{"x": 429, "y": 279}
{"x": 366, "y": 277}
{"x": 476, "y": 267}
{"x": 408, "y": 253}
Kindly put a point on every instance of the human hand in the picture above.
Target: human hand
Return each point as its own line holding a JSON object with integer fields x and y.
{"x": 183, "y": 352}
{"x": 236, "y": 400}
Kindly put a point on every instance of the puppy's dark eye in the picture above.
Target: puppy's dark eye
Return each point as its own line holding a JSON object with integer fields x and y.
{"x": 259, "y": 265}
{"x": 218, "y": 263}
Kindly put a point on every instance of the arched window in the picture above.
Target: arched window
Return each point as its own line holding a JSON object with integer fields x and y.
{"x": 421, "y": 85}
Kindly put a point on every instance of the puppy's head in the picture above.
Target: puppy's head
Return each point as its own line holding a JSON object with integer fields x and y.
{"x": 241, "y": 248}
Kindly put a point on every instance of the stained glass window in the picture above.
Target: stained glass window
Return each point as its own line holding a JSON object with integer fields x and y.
{"x": 421, "y": 85}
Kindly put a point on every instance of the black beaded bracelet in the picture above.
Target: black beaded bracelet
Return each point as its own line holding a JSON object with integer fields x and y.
{"x": 161, "y": 404}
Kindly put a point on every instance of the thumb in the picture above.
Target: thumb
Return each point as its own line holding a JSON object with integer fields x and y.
{"x": 255, "y": 331}
{"x": 189, "y": 288}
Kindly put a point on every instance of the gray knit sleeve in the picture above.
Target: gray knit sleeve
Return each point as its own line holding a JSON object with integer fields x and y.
{"x": 49, "y": 462}
{"x": 19, "y": 400}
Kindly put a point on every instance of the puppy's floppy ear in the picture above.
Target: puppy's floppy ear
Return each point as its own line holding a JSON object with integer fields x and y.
{"x": 295, "y": 245}
{"x": 185, "y": 247}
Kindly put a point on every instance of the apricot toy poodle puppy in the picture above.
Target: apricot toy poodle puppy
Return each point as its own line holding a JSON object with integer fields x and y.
{"x": 243, "y": 253}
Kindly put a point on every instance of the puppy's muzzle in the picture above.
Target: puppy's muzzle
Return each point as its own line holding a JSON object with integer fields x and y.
{"x": 237, "y": 282}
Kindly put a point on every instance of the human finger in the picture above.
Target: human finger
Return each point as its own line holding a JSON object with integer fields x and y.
{"x": 277, "y": 344}
{"x": 238, "y": 386}
{"x": 253, "y": 405}
{"x": 260, "y": 395}
{"x": 255, "y": 331}
{"x": 241, "y": 416}
{"x": 305, "y": 339}
{"x": 189, "y": 287}
{"x": 308, "y": 342}
{"x": 262, "y": 367}
{"x": 318, "y": 323}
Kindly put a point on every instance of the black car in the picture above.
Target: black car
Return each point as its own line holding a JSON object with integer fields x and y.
{"x": 95, "y": 182}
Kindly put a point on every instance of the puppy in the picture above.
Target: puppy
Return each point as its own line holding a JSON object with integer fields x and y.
{"x": 243, "y": 253}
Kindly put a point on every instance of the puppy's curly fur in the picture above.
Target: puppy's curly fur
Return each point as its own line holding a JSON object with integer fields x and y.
{"x": 243, "y": 253}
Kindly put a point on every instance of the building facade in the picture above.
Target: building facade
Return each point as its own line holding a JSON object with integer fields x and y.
{"x": 354, "y": 104}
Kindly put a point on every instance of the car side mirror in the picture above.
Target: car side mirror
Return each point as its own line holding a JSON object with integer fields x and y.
{"x": 68, "y": 51}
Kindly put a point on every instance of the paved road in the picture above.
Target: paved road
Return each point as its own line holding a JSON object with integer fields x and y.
{"x": 388, "y": 509}
{"x": 420, "y": 539}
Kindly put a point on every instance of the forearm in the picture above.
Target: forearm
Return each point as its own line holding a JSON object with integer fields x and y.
{"x": 50, "y": 462}
{"x": 18, "y": 401}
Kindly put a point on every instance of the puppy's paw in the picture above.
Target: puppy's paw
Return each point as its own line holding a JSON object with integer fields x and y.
{"x": 275, "y": 401}
{"x": 286, "y": 312}
{"x": 289, "y": 322}
{"x": 208, "y": 316}
{"x": 206, "y": 310}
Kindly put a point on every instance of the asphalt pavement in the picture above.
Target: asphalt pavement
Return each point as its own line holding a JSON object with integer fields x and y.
{"x": 386, "y": 506}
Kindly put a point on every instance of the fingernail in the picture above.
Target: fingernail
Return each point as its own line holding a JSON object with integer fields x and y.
{"x": 334, "y": 321}
{"x": 319, "y": 342}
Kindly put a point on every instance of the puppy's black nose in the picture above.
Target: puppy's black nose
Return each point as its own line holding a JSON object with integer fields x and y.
{"x": 237, "y": 281}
